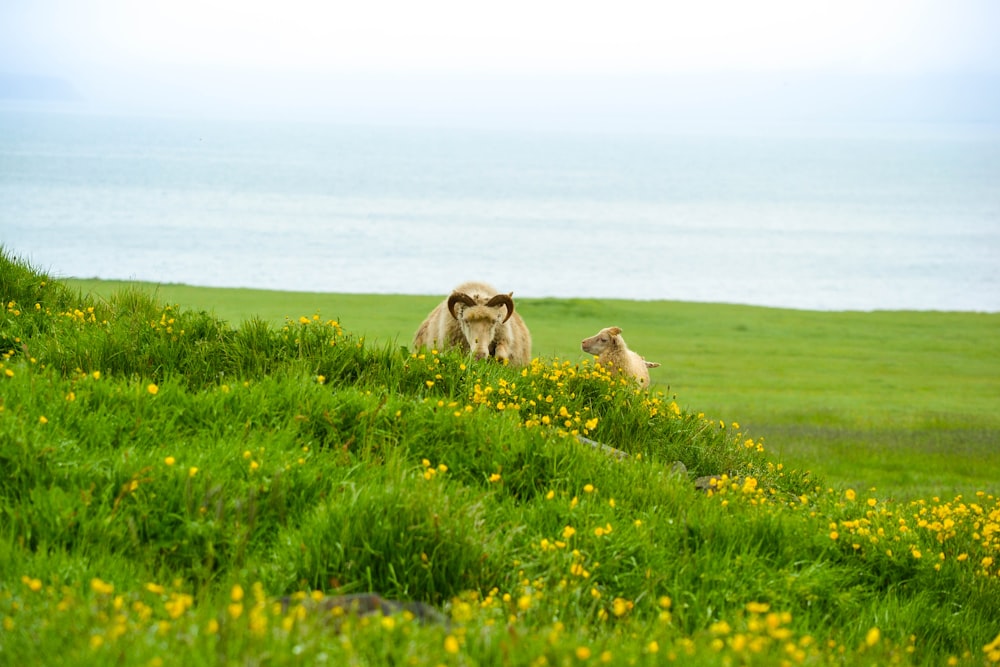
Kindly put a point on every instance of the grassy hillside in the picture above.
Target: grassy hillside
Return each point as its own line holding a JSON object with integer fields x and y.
{"x": 176, "y": 489}
{"x": 902, "y": 401}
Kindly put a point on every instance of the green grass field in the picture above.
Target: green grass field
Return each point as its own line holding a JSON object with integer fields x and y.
{"x": 180, "y": 489}
{"x": 906, "y": 402}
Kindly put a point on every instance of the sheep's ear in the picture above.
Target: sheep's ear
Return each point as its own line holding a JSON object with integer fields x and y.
{"x": 651, "y": 364}
{"x": 457, "y": 298}
{"x": 614, "y": 331}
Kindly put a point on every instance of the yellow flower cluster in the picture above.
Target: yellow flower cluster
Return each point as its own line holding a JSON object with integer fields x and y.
{"x": 961, "y": 532}
{"x": 760, "y": 630}
{"x": 12, "y": 308}
{"x": 87, "y": 316}
{"x": 532, "y": 399}
{"x": 159, "y": 611}
{"x": 314, "y": 331}
{"x": 165, "y": 325}
{"x": 430, "y": 471}
{"x": 992, "y": 650}
{"x": 746, "y": 489}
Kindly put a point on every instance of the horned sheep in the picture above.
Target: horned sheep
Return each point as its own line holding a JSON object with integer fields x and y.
{"x": 477, "y": 318}
{"x": 613, "y": 354}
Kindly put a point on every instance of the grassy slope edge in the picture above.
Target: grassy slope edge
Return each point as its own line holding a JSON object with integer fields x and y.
{"x": 902, "y": 401}
{"x": 166, "y": 476}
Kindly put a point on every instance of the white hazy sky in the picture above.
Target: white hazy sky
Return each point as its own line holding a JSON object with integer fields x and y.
{"x": 229, "y": 51}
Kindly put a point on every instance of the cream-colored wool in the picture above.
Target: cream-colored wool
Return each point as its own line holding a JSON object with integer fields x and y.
{"x": 477, "y": 319}
{"x": 613, "y": 354}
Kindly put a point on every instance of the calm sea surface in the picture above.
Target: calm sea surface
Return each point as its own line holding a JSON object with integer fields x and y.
{"x": 825, "y": 218}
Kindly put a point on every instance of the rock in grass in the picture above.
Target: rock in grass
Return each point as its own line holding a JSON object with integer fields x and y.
{"x": 335, "y": 607}
{"x": 678, "y": 468}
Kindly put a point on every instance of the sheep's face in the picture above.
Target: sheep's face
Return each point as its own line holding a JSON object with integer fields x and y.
{"x": 479, "y": 325}
{"x": 606, "y": 339}
{"x": 479, "y": 321}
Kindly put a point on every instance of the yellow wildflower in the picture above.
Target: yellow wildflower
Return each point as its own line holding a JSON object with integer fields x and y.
{"x": 101, "y": 587}
{"x": 720, "y": 628}
{"x": 621, "y": 606}
{"x": 33, "y": 584}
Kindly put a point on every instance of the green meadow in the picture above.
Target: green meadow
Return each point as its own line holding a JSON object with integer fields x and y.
{"x": 199, "y": 477}
{"x": 902, "y": 401}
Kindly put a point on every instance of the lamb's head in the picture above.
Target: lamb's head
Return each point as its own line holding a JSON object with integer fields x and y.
{"x": 479, "y": 318}
{"x": 605, "y": 340}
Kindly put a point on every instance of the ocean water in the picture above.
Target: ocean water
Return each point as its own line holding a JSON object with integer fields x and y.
{"x": 814, "y": 217}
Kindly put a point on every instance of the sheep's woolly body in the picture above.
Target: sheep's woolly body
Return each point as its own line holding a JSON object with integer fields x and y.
{"x": 612, "y": 353}
{"x": 477, "y": 319}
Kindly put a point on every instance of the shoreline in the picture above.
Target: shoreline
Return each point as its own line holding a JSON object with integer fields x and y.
{"x": 182, "y": 286}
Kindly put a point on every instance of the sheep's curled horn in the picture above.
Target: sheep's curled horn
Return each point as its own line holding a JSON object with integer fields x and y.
{"x": 497, "y": 300}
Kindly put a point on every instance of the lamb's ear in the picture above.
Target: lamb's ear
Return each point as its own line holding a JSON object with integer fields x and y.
{"x": 651, "y": 364}
{"x": 614, "y": 331}
{"x": 456, "y": 298}
{"x": 503, "y": 300}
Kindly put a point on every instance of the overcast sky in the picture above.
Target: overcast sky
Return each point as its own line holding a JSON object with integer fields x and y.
{"x": 435, "y": 53}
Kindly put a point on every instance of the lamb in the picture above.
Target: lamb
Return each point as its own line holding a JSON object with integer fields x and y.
{"x": 478, "y": 319}
{"x": 613, "y": 354}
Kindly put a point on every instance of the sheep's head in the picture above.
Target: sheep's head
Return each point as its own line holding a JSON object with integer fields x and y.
{"x": 606, "y": 339}
{"x": 479, "y": 319}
